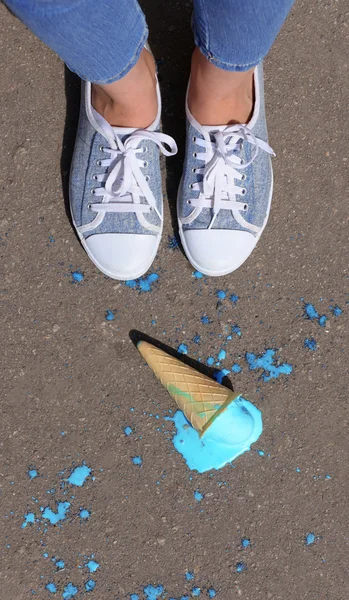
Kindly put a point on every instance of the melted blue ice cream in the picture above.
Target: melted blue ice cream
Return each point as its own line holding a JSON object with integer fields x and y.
{"x": 230, "y": 435}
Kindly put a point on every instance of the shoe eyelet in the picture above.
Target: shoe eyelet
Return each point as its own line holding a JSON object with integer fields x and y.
{"x": 195, "y": 154}
{"x": 150, "y": 209}
{"x": 145, "y": 164}
{"x": 188, "y": 201}
{"x": 147, "y": 178}
{"x": 101, "y": 148}
{"x": 94, "y": 177}
{"x": 194, "y": 138}
{"x": 89, "y": 206}
{"x": 245, "y": 207}
{"x": 242, "y": 161}
{"x": 190, "y": 186}
{"x": 243, "y": 192}
{"x": 243, "y": 177}
{"x": 93, "y": 191}
{"x": 193, "y": 170}
{"x": 98, "y": 163}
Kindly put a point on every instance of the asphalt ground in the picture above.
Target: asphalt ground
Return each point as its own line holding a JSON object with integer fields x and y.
{"x": 73, "y": 380}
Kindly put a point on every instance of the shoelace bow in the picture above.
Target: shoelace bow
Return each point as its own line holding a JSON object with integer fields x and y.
{"x": 222, "y": 164}
{"x": 125, "y": 183}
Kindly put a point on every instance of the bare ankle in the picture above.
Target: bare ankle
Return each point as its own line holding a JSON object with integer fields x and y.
{"x": 132, "y": 100}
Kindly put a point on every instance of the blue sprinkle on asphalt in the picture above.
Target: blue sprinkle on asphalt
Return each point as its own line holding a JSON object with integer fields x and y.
{"x": 260, "y": 452}
{"x": 182, "y": 349}
{"x": 323, "y": 321}
{"x": 189, "y": 575}
{"x": 236, "y": 329}
{"x": 195, "y": 592}
{"x": 233, "y": 298}
{"x": 210, "y": 361}
{"x": 59, "y": 564}
{"x": 51, "y": 588}
{"x": 310, "y": 343}
{"x": 196, "y": 339}
{"x": 77, "y": 276}
{"x": 29, "y": 518}
{"x": 92, "y": 566}
{"x": 84, "y": 514}
{"x": 90, "y": 585}
{"x": 69, "y": 592}
{"x": 144, "y": 284}
{"x": 198, "y": 496}
{"x": 310, "y": 539}
{"x": 197, "y": 275}
{"x": 219, "y": 374}
{"x": 245, "y": 542}
{"x": 205, "y": 320}
{"x": 152, "y": 592}
{"x": 32, "y": 473}
{"x": 134, "y": 597}
{"x": 45, "y": 554}
{"x": 240, "y": 567}
{"x": 128, "y": 431}
{"x": 137, "y": 460}
{"x": 222, "y": 354}
{"x": 221, "y": 294}
{"x": 298, "y": 470}
{"x": 236, "y": 368}
{"x": 310, "y": 312}
{"x": 211, "y": 593}
{"x": 109, "y": 315}
{"x": 56, "y": 517}
{"x": 79, "y": 475}
{"x": 266, "y": 362}
{"x": 337, "y": 311}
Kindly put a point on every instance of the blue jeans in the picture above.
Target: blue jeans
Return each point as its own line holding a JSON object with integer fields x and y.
{"x": 101, "y": 40}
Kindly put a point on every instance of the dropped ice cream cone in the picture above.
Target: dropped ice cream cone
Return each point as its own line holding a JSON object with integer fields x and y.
{"x": 200, "y": 398}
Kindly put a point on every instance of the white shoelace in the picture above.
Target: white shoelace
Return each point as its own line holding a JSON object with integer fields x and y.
{"x": 222, "y": 167}
{"x": 124, "y": 183}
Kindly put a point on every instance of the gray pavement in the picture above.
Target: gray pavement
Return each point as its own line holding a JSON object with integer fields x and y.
{"x": 72, "y": 381}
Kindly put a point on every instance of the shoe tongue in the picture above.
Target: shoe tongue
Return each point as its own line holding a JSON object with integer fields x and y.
{"x": 213, "y": 128}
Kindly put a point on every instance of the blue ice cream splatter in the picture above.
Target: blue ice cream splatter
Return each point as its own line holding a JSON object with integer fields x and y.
{"x": 337, "y": 311}
{"x": 195, "y": 592}
{"x": 261, "y": 452}
{"x": 59, "y": 564}
{"x": 236, "y": 329}
{"x": 266, "y": 362}
{"x": 56, "y": 517}
{"x": 182, "y": 349}
{"x": 51, "y": 588}
{"x": 222, "y": 354}
{"x": 109, "y": 315}
{"x": 310, "y": 311}
{"x": 32, "y": 473}
{"x": 234, "y": 298}
{"x": 29, "y": 518}
{"x": 92, "y": 565}
{"x": 198, "y": 496}
{"x": 221, "y": 294}
{"x": 144, "y": 284}
{"x": 323, "y": 321}
{"x": 310, "y": 539}
{"x": 298, "y": 470}
{"x": 197, "y": 275}
{"x": 210, "y": 361}
{"x": 245, "y": 542}
{"x": 128, "y": 431}
{"x": 134, "y": 597}
{"x": 240, "y": 423}
{"x": 219, "y": 375}
{"x": 211, "y": 593}
{"x": 77, "y": 276}
{"x": 310, "y": 343}
{"x": 205, "y": 320}
{"x": 79, "y": 475}
{"x": 236, "y": 368}
{"x": 137, "y": 460}
{"x": 240, "y": 567}
{"x": 69, "y": 592}
{"x": 90, "y": 585}
{"x": 196, "y": 339}
{"x": 84, "y": 514}
{"x": 152, "y": 592}
{"x": 189, "y": 575}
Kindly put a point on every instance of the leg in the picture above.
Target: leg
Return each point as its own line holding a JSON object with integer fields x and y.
{"x": 232, "y": 37}
{"x": 103, "y": 43}
{"x": 226, "y": 189}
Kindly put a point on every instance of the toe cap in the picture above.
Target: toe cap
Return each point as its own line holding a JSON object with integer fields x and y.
{"x": 217, "y": 252}
{"x": 122, "y": 256}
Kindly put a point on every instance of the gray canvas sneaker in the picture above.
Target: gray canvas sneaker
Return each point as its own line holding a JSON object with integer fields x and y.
{"x": 116, "y": 191}
{"x": 225, "y": 193}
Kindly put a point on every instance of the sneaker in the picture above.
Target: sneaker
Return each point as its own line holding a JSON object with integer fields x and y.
{"x": 116, "y": 191}
{"x": 225, "y": 193}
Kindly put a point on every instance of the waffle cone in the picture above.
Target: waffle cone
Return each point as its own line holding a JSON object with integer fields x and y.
{"x": 199, "y": 397}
